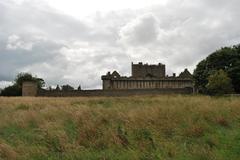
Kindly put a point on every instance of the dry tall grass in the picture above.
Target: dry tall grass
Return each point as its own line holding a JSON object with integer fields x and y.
{"x": 144, "y": 127}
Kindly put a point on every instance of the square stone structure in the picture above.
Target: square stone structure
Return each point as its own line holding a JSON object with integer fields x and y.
{"x": 29, "y": 89}
{"x": 145, "y": 70}
{"x": 146, "y": 76}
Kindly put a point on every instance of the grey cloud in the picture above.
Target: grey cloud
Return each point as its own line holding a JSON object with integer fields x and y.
{"x": 30, "y": 18}
{"x": 140, "y": 31}
{"x": 62, "y": 49}
{"x": 13, "y": 60}
{"x": 3, "y": 84}
{"x": 14, "y": 43}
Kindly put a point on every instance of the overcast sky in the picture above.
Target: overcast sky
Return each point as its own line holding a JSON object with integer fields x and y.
{"x": 77, "y": 41}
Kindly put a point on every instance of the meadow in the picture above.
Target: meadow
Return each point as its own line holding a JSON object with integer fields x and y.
{"x": 165, "y": 127}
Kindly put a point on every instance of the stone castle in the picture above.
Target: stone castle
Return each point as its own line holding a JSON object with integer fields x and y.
{"x": 146, "y": 76}
{"x": 145, "y": 79}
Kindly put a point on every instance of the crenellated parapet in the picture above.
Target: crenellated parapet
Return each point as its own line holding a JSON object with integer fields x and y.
{"x": 146, "y": 70}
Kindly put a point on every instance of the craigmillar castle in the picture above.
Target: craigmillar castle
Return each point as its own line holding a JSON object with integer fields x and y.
{"x": 145, "y": 79}
{"x": 146, "y": 76}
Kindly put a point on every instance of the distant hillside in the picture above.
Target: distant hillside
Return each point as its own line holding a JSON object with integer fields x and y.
{"x": 133, "y": 128}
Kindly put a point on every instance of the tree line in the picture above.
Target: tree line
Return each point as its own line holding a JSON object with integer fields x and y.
{"x": 217, "y": 74}
{"x": 16, "y": 88}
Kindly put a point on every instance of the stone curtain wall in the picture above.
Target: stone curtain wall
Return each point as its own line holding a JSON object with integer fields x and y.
{"x": 30, "y": 89}
{"x": 110, "y": 93}
{"x": 148, "y": 84}
{"x": 145, "y": 79}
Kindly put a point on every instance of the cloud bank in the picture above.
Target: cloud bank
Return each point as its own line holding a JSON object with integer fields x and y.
{"x": 63, "y": 49}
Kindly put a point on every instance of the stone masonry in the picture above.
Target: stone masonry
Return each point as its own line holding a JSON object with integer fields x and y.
{"x": 29, "y": 89}
{"x": 145, "y": 79}
{"x": 146, "y": 76}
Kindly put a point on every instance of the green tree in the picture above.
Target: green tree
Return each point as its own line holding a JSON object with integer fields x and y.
{"x": 16, "y": 88}
{"x": 13, "y": 90}
{"x": 67, "y": 88}
{"x": 79, "y": 88}
{"x": 57, "y": 88}
{"x": 21, "y": 77}
{"x": 219, "y": 83}
{"x": 227, "y": 59}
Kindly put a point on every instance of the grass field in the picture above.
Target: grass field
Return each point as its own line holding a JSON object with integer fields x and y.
{"x": 127, "y": 128}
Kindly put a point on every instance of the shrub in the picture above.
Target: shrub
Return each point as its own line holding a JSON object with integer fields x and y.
{"x": 219, "y": 83}
{"x": 67, "y": 88}
{"x": 16, "y": 88}
{"x": 227, "y": 59}
{"x": 13, "y": 90}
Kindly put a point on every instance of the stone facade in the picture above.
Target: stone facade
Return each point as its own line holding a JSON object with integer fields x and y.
{"x": 29, "y": 89}
{"x": 146, "y": 76}
{"x": 144, "y": 70}
{"x": 112, "y": 93}
{"x": 145, "y": 80}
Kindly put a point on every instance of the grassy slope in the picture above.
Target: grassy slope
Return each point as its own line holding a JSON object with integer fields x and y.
{"x": 158, "y": 127}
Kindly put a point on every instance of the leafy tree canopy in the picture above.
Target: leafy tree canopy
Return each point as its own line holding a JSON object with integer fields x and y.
{"x": 21, "y": 77}
{"x": 79, "y": 88}
{"x": 57, "y": 88}
{"x": 219, "y": 83}
{"x": 227, "y": 59}
{"x": 13, "y": 90}
{"x": 67, "y": 88}
{"x": 16, "y": 88}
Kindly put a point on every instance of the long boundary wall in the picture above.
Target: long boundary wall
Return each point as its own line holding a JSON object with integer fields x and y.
{"x": 82, "y": 93}
{"x": 30, "y": 89}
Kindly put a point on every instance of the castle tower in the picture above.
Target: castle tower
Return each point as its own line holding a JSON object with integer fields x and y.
{"x": 145, "y": 70}
{"x": 29, "y": 89}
